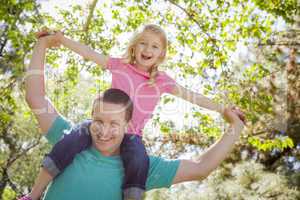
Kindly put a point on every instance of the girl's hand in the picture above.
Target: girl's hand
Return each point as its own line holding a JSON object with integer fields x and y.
{"x": 233, "y": 115}
{"x": 45, "y": 32}
{"x": 50, "y": 38}
{"x": 240, "y": 114}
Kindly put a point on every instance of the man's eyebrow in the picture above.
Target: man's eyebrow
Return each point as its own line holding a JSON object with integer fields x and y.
{"x": 96, "y": 118}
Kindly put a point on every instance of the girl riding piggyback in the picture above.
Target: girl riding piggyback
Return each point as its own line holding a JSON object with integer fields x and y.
{"x": 137, "y": 74}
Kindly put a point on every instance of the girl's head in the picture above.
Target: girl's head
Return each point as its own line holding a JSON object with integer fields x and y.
{"x": 147, "y": 49}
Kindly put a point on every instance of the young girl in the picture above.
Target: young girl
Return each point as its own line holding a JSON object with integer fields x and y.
{"x": 136, "y": 73}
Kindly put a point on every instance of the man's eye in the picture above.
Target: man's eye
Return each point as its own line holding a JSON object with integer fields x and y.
{"x": 115, "y": 124}
{"x": 98, "y": 122}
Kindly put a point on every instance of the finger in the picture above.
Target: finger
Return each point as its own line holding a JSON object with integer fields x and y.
{"x": 240, "y": 115}
{"x": 238, "y": 111}
{"x": 41, "y": 34}
{"x": 45, "y": 28}
{"x": 242, "y": 118}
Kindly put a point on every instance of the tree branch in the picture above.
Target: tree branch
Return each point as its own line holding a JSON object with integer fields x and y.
{"x": 2, "y": 46}
{"x": 13, "y": 159}
{"x": 274, "y": 43}
{"x": 89, "y": 18}
{"x": 5, "y": 40}
{"x": 192, "y": 18}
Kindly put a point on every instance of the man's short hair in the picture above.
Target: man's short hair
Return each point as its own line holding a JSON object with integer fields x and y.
{"x": 116, "y": 96}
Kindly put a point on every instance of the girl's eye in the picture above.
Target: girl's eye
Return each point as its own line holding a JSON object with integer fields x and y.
{"x": 155, "y": 47}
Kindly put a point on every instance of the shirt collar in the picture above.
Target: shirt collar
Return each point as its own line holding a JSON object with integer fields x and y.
{"x": 139, "y": 71}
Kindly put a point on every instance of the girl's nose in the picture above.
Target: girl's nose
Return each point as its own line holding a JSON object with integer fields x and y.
{"x": 147, "y": 49}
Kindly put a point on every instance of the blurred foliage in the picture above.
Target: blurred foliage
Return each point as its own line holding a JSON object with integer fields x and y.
{"x": 246, "y": 180}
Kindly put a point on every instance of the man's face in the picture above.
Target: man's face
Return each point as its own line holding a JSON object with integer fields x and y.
{"x": 108, "y": 127}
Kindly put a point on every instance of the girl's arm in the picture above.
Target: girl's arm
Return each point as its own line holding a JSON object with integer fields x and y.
{"x": 81, "y": 49}
{"x": 85, "y": 51}
{"x": 197, "y": 99}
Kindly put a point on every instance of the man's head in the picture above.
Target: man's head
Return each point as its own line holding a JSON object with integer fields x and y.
{"x": 110, "y": 116}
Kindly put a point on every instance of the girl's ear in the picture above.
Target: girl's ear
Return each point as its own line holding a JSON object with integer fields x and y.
{"x": 132, "y": 52}
{"x": 163, "y": 54}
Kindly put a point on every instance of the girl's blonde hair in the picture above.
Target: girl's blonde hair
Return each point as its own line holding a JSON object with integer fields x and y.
{"x": 129, "y": 56}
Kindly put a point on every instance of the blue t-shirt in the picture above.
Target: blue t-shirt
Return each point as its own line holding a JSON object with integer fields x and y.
{"x": 92, "y": 176}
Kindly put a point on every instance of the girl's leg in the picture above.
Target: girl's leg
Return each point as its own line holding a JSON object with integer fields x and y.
{"x": 136, "y": 165}
{"x": 60, "y": 157}
{"x": 63, "y": 152}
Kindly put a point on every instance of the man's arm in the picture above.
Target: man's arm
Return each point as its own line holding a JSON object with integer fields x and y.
{"x": 35, "y": 87}
{"x": 197, "y": 170}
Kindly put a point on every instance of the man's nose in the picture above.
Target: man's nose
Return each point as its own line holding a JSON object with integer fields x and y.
{"x": 106, "y": 131}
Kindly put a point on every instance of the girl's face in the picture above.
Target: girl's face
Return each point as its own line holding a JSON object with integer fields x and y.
{"x": 148, "y": 51}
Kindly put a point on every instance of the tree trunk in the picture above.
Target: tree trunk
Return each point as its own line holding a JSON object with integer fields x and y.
{"x": 3, "y": 182}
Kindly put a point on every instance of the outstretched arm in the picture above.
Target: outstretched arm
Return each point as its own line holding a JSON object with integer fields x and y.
{"x": 81, "y": 49}
{"x": 197, "y": 99}
{"x": 85, "y": 51}
{"x": 197, "y": 170}
{"x": 203, "y": 101}
{"x": 35, "y": 87}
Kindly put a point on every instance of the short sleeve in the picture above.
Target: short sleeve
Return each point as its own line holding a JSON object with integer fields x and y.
{"x": 113, "y": 63}
{"x": 161, "y": 172}
{"x": 167, "y": 83}
{"x": 59, "y": 127}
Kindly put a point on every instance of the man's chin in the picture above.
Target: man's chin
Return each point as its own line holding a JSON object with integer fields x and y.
{"x": 109, "y": 151}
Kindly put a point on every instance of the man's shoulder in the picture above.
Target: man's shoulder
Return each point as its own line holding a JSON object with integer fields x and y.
{"x": 161, "y": 172}
{"x": 58, "y": 128}
{"x": 154, "y": 161}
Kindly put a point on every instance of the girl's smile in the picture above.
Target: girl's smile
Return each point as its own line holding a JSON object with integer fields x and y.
{"x": 148, "y": 51}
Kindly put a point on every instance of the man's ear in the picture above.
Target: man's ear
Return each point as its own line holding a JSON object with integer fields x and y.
{"x": 126, "y": 125}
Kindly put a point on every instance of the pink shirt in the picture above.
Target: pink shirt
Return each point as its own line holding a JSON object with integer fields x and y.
{"x": 134, "y": 82}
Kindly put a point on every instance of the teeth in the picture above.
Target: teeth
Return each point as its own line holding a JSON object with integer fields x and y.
{"x": 105, "y": 139}
{"x": 146, "y": 57}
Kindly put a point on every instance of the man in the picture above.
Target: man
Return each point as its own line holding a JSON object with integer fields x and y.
{"x": 97, "y": 172}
